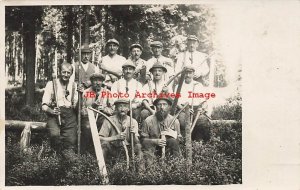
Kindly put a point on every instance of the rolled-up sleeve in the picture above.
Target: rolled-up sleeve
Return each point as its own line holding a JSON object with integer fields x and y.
{"x": 47, "y": 97}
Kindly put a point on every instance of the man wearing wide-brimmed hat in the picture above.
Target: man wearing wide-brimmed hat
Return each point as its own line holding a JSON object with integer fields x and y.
{"x": 155, "y": 86}
{"x": 157, "y": 125}
{"x": 111, "y": 64}
{"x": 156, "y": 48}
{"x": 203, "y": 126}
{"x": 111, "y": 140}
{"x": 93, "y": 97}
{"x": 192, "y": 57}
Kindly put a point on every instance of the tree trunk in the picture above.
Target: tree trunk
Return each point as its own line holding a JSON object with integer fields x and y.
{"x": 70, "y": 24}
{"x": 29, "y": 44}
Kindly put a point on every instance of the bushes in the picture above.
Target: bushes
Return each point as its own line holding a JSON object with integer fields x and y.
{"x": 215, "y": 162}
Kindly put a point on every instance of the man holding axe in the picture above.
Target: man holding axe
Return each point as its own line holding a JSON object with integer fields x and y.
{"x": 59, "y": 102}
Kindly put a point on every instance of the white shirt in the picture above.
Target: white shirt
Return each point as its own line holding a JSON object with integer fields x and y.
{"x": 157, "y": 86}
{"x": 195, "y": 59}
{"x": 62, "y": 100}
{"x": 113, "y": 63}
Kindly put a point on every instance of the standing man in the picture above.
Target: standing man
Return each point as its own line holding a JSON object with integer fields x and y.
{"x": 111, "y": 64}
{"x": 128, "y": 85}
{"x": 157, "y": 125}
{"x": 92, "y": 97}
{"x": 189, "y": 86}
{"x": 59, "y": 101}
{"x": 192, "y": 57}
{"x": 86, "y": 68}
{"x": 111, "y": 140}
{"x": 157, "y": 48}
{"x": 141, "y": 73}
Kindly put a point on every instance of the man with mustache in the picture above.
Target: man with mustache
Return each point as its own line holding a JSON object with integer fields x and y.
{"x": 92, "y": 97}
{"x": 157, "y": 48}
{"x": 156, "y": 125}
{"x": 128, "y": 85}
{"x": 192, "y": 57}
{"x": 203, "y": 125}
{"x": 111, "y": 64}
{"x": 156, "y": 86}
{"x": 111, "y": 140}
{"x": 86, "y": 68}
{"x": 63, "y": 135}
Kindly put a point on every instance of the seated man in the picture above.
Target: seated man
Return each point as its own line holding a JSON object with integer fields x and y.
{"x": 59, "y": 102}
{"x": 92, "y": 97}
{"x": 111, "y": 140}
{"x": 157, "y": 125}
{"x": 202, "y": 128}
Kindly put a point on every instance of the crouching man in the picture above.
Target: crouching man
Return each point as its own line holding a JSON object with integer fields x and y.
{"x": 157, "y": 125}
{"x": 59, "y": 100}
{"x": 112, "y": 141}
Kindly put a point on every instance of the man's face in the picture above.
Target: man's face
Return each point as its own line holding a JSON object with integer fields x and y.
{"x": 189, "y": 75}
{"x": 112, "y": 48}
{"x": 156, "y": 51}
{"x": 96, "y": 84}
{"x": 192, "y": 45}
{"x": 157, "y": 74}
{"x": 66, "y": 72}
{"x": 136, "y": 53}
{"x": 162, "y": 109}
{"x": 128, "y": 72}
{"x": 122, "y": 109}
{"x": 85, "y": 57}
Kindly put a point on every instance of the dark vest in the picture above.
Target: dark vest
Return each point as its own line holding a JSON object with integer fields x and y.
{"x": 85, "y": 75}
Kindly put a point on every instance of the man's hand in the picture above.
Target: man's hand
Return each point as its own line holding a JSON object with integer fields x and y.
{"x": 161, "y": 142}
{"x": 80, "y": 88}
{"x": 56, "y": 111}
{"x": 120, "y": 136}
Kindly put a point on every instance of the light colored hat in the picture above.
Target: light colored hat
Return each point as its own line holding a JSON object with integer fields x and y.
{"x": 112, "y": 41}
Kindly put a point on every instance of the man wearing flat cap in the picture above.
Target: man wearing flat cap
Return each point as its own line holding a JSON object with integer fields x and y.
{"x": 192, "y": 57}
{"x": 157, "y": 47}
{"x": 158, "y": 131}
{"x": 203, "y": 126}
{"x": 93, "y": 97}
{"x": 85, "y": 69}
{"x": 111, "y": 140}
{"x": 111, "y": 64}
{"x": 141, "y": 73}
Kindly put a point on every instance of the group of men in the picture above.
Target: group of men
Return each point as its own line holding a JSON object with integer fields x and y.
{"x": 151, "y": 122}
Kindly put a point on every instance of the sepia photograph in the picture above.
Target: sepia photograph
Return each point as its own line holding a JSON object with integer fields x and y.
{"x": 136, "y": 94}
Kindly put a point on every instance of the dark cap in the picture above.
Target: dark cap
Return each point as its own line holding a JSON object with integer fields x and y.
{"x": 86, "y": 49}
{"x": 121, "y": 100}
{"x": 164, "y": 97}
{"x": 128, "y": 63}
{"x": 136, "y": 46}
{"x": 112, "y": 41}
{"x": 193, "y": 38}
{"x": 98, "y": 76}
{"x": 158, "y": 65}
{"x": 156, "y": 44}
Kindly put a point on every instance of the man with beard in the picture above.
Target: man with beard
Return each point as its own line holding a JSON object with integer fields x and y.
{"x": 61, "y": 122}
{"x": 192, "y": 57}
{"x": 203, "y": 125}
{"x": 135, "y": 56}
{"x": 157, "y": 48}
{"x": 156, "y": 86}
{"x": 85, "y": 68}
{"x": 111, "y": 140}
{"x": 129, "y": 86}
{"x": 111, "y": 64}
{"x": 92, "y": 97}
{"x": 157, "y": 125}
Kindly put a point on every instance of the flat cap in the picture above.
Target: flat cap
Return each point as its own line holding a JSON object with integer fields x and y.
{"x": 189, "y": 68}
{"x": 156, "y": 44}
{"x": 158, "y": 65}
{"x": 121, "y": 100}
{"x": 193, "y": 38}
{"x": 112, "y": 41}
{"x": 164, "y": 97}
{"x": 128, "y": 63}
{"x": 86, "y": 49}
{"x": 135, "y": 46}
{"x": 98, "y": 76}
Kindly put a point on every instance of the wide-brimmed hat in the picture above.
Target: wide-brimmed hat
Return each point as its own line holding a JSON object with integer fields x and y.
{"x": 112, "y": 41}
{"x": 136, "y": 46}
{"x": 158, "y": 65}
